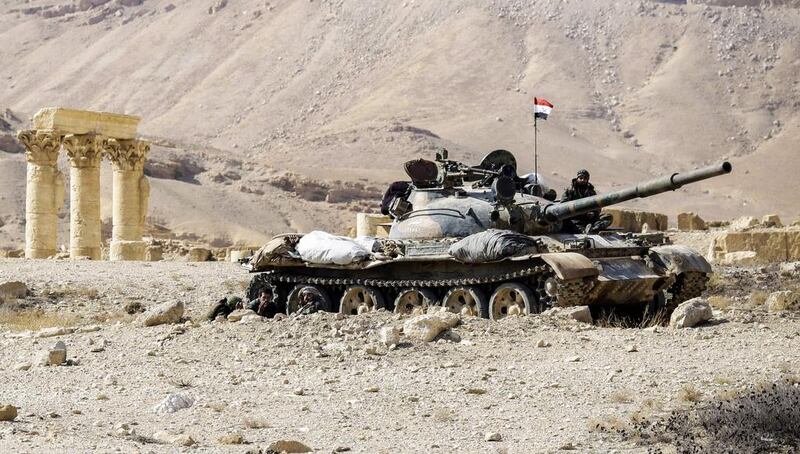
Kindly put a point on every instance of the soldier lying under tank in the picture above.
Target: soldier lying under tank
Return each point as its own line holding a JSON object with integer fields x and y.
{"x": 310, "y": 302}
{"x": 265, "y": 304}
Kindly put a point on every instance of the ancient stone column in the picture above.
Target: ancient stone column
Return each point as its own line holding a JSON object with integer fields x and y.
{"x": 130, "y": 197}
{"x": 85, "y": 153}
{"x": 44, "y": 195}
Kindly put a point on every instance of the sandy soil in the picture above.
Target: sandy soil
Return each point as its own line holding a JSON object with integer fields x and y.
{"x": 313, "y": 379}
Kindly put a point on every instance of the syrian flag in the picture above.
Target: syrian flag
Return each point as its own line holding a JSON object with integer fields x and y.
{"x": 541, "y": 108}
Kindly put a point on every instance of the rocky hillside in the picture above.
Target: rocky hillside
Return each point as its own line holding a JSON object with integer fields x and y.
{"x": 242, "y": 96}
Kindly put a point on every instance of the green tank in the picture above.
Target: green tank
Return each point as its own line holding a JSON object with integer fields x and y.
{"x": 446, "y": 203}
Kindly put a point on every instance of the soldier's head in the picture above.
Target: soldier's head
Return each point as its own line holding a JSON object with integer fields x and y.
{"x": 582, "y": 178}
{"x": 307, "y": 295}
{"x": 265, "y": 295}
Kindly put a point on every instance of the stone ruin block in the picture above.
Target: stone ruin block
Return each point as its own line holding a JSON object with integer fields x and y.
{"x": 793, "y": 245}
{"x": 84, "y": 122}
{"x": 691, "y": 221}
{"x": 634, "y": 220}
{"x": 771, "y": 220}
{"x": 768, "y": 246}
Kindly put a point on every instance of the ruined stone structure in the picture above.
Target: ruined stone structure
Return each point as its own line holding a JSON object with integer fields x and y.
{"x": 86, "y": 137}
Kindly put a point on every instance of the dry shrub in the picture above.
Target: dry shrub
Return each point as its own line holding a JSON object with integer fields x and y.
{"x": 690, "y": 394}
{"x": 181, "y": 382}
{"x": 760, "y": 419}
{"x": 609, "y": 424}
{"x": 629, "y": 316}
{"x": 72, "y": 293}
{"x": 715, "y": 282}
{"x": 720, "y": 302}
{"x": 443, "y": 415}
{"x": 255, "y": 422}
{"x": 622, "y": 396}
{"x": 758, "y": 298}
{"x": 218, "y": 407}
{"x": 35, "y": 319}
{"x": 723, "y": 381}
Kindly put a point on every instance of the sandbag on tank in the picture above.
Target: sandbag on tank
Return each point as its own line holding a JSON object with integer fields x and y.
{"x": 491, "y": 245}
{"x": 324, "y": 248}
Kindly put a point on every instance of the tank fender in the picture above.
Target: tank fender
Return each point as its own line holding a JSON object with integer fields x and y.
{"x": 570, "y": 265}
{"x": 678, "y": 259}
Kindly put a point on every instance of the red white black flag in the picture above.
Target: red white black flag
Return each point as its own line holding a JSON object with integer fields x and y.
{"x": 541, "y": 108}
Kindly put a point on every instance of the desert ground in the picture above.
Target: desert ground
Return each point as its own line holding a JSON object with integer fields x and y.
{"x": 544, "y": 383}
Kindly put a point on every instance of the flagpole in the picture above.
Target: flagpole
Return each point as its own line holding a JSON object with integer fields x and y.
{"x": 535, "y": 153}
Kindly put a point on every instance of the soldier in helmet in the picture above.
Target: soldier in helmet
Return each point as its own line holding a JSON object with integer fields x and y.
{"x": 310, "y": 302}
{"x": 579, "y": 189}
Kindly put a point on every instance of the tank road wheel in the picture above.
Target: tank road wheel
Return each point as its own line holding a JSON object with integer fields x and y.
{"x": 511, "y": 299}
{"x": 293, "y": 300}
{"x": 358, "y": 299}
{"x": 414, "y": 300}
{"x": 466, "y": 301}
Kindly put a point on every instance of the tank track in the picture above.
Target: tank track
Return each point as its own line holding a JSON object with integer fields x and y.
{"x": 269, "y": 278}
{"x": 573, "y": 293}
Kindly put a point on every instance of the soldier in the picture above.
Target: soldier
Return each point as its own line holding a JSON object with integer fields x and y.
{"x": 310, "y": 302}
{"x": 265, "y": 304}
{"x": 224, "y": 307}
{"x": 579, "y": 189}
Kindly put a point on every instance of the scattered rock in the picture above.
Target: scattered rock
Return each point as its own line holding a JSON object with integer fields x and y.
{"x": 573, "y": 359}
{"x": 785, "y": 300}
{"x": 789, "y": 268}
{"x": 631, "y": 349}
{"x": 184, "y": 440}
{"x": 22, "y": 366}
{"x": 478, "y": 391}
{"x": 389, "y": 335}
{"x": 771, "y": 220}
{"x": 8, "y": 412}
{"x": 251, "y": 318}
{"x": 57, "y": 355}
{"x": 493, "y": 436}
{"x": 427, "y": 327}
{"x": 231, "y": 439}
{"x": 238, "y": 314}
{"x": 372, "y": 389}
{"x": 173, "y": 403}
{"x": 288, "y": 446}
{"x": 133, "y": 307}
{"x": 169, "y": 312}
{"x": 54, "y": 331}
{"x": 13, "y": 290}
{"x": 541, "y": 343}
{"x": 579, "y": 313}
{"x": 691, "y": 313}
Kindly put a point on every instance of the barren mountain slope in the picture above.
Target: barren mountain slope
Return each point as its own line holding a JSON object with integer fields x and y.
{"x": 348, "y": 90}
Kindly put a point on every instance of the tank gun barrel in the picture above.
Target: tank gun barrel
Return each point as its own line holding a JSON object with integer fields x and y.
{"x": 564, "y": 210}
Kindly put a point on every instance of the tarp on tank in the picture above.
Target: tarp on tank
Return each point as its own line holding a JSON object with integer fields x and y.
{"x": 323, "y": 248}
{"x": 491, "y": 245}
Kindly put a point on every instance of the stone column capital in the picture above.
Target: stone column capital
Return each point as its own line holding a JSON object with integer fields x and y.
{"x": 83, "y": 150}
{"x": 41, "y": 146}
{"x": 126, "y": 154}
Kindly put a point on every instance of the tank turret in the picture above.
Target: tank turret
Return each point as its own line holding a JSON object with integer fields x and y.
{"x": 456, "y": 200}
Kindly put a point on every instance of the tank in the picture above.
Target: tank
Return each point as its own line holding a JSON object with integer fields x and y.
{"x": 447, "y": 201}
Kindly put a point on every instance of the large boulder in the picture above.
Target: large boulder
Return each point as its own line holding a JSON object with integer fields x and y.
{"x": 427, "y": 327}
{"x": 13, "y": 290}
{"x": 199, "y": 254}
{"x": 169, "y": 312}
{"x": 691, "y": 313}
{"x": 743, "y": 258}
{"x": 288, "y": 446}
{"x": 785, "y": 300}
